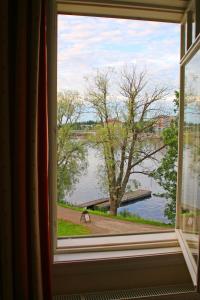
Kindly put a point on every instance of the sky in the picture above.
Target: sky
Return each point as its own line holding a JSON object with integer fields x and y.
{"x": 89, "y": 43}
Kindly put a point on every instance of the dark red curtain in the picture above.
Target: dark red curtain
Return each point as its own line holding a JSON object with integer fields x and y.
{"x": 25, "y": 260}
{"x": 44, "y": 213}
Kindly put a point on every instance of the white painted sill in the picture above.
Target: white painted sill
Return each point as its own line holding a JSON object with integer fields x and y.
{"x": 108, "y": 247}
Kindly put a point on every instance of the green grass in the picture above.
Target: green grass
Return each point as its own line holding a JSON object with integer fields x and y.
{"x": 132, "y": 218}
{"x": 66, "y": 228}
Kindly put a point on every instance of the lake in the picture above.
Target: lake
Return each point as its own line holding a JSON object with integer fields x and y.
{"x": 88, "y": 188}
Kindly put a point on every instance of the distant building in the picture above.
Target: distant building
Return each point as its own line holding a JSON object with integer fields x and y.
{"x": 163, "y": 122}
{"x": 114, "y": 121}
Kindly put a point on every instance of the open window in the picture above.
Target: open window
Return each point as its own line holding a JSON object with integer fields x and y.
{"x": 188, "y": 192}
{"x": 188, "y": 203}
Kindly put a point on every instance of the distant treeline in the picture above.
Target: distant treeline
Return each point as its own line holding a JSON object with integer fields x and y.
{"x": 83, "y": 124}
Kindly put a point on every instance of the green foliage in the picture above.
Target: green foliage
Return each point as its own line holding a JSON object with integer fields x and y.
{"x": 72, "y": 166}
{"x": 66, "y": 228}
{"x": 166, "y": 173}
{"x": 71, "y": 153}
{"x": 126, "y": 213}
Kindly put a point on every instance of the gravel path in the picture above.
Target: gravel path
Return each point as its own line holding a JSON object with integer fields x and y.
{"x": 104, "y": 225}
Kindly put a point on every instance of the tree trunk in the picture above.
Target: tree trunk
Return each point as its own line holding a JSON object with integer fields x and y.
{"x": 113, "y": 206}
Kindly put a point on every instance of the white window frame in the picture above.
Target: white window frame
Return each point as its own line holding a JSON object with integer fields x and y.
{"x": 116, "y": 239}
{"x": 72, "y": 7}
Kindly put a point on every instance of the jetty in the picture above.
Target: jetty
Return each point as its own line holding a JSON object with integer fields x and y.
{"x": 129, "y": 197}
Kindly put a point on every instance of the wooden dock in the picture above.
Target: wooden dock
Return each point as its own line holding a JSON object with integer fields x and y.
{"x": 129, "y": 197}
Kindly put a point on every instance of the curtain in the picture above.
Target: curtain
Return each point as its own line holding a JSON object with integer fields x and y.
{"x": 25, "y": 260}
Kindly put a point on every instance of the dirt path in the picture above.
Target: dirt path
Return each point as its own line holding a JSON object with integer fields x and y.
{"x": 103, "y": 225}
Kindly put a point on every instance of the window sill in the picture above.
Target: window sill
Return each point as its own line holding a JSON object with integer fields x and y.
{"x": 114, "y": 246}
{"x": 108, "y": 255}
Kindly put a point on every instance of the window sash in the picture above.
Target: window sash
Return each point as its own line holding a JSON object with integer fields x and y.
{"x": 189, "y": 54}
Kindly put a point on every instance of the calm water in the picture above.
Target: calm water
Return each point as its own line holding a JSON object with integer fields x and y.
{"x": 88, "y": 189}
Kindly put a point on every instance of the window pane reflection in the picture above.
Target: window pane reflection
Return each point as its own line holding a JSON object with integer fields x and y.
{"x": 190, "y": 200}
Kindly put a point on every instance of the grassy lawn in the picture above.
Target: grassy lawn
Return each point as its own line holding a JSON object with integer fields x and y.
{"x": 66, "y": 228}
{"x": 132, "y": 218}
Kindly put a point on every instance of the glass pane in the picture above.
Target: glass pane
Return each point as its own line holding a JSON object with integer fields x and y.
{"x": 185, "y": 40}
{"x": 193, "y": 28}
{"x": 190, "y": 200}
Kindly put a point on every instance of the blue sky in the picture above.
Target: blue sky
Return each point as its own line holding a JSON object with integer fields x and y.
{"x": 88, "y": 43}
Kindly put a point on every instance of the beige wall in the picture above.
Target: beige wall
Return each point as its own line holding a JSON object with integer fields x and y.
{"x": 89, "y": 276}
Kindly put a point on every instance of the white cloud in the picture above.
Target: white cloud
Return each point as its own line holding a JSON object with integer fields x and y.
{"x": 85, "y": 43}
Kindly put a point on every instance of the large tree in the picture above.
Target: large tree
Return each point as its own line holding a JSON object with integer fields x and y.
{"x": 124, "y": 121}
{"x": 71, "y": 153}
